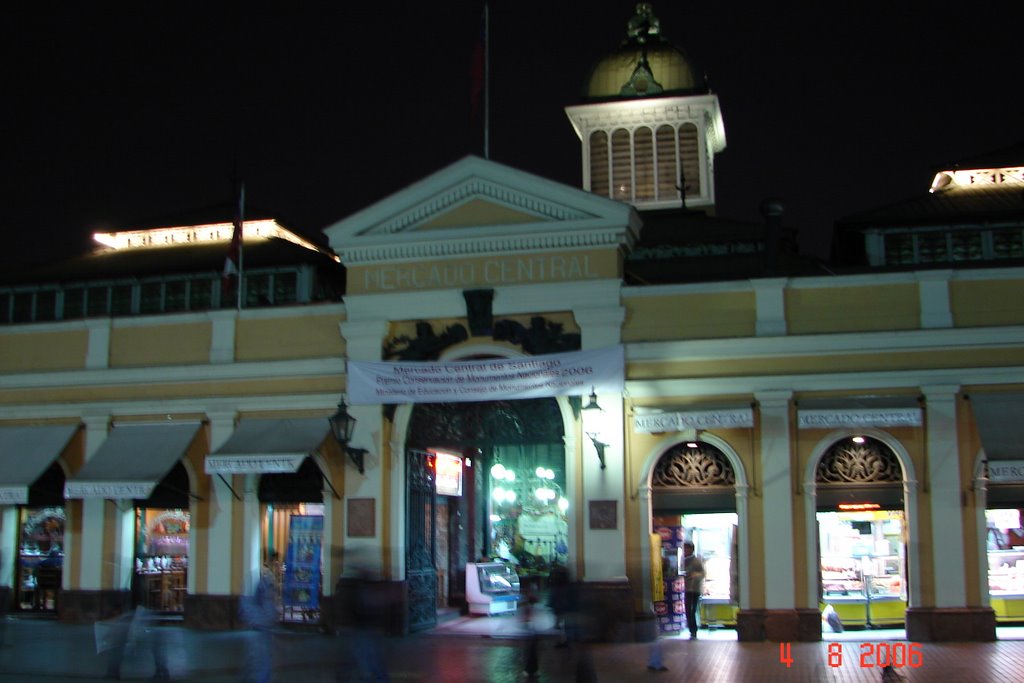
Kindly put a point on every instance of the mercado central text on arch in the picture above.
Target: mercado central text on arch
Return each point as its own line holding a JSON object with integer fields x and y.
{"x": 487, "y": 271}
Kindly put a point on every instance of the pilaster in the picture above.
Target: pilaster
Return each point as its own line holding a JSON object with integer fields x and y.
{"x": 364, "y": 340}
{"x": 97, "y": 355}
{"x": 933, "y": 290}
{"x": 221, "y": 513}
{"x": 770, "y": 300}
{"x": 604, "y": 541}
{"x": 222, "y": 336}
{"x": 777, "y": 494}
{"x": 945, "y": 496}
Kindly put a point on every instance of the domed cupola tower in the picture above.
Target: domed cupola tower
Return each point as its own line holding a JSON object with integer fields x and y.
{"x": 649, "y": 124}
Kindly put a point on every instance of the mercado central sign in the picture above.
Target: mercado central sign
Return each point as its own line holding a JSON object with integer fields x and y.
{"x": 575, "y": 373}
{"x": 487, "y": 271}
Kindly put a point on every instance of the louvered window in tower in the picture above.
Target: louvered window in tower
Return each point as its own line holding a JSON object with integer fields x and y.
{"x": 643, "y": 159}
{"x": 689, "y": 155}
{"x": 668, "y": 176}
{"x": 622, "y": 171}
{"x": 599, "y": 163}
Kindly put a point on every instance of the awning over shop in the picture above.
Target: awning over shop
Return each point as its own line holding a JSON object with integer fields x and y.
{"x": 261, "y": 446}
{"x": 132, "y": 461}
{"x": 25, "y": 453}
{"x": 1000, "y": 420}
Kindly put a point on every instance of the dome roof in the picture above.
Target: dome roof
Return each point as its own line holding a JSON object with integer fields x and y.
{"x": 645, "y": 65}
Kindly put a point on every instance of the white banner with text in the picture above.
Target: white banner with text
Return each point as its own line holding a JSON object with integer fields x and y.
{"x": 558, "y": 374}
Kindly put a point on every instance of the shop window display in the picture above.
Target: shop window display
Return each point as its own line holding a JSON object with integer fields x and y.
{"x": 1005, "y": 545}
{"x": 527, "y": 509}
{"x": 863, "y": 566}
{"x": 161, "y": 558}
{"x": 40, "y": 558}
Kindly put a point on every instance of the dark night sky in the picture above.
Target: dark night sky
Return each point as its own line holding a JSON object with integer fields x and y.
{"x": 117, "y": 117}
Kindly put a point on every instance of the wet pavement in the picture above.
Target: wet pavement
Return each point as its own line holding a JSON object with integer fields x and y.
{"x": 48, "y": 651}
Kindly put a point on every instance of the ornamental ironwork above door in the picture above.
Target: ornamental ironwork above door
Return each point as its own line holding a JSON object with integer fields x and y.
{"x": 698, "y": 466}
{"x": 847, "y": 462}
{"x": 457, "y": 425}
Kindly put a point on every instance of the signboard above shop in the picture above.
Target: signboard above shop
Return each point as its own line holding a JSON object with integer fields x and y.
{"x": 1006, "y": 471}
{"x": 704, "y": 419}
{"x": 878, "y": 417}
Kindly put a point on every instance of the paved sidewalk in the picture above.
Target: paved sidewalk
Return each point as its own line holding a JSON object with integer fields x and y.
{"x": 50, "y": 652}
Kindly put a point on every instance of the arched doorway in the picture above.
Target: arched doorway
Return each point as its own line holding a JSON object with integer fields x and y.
{"x": 513, "y": 505}
{"x": 694, "y": 498}
{"x": 862, "y": 531}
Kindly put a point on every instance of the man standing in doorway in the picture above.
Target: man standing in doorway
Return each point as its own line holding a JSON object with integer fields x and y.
{"x": 693, "y": 576}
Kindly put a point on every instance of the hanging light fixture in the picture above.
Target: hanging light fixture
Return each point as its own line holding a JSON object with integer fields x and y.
{"x": 592, "y": 404}
{"x": 343, "y": 426}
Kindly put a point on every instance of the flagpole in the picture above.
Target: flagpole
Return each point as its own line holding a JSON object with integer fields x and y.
{"x": 487, "y": 81}
{"x": 241, "y": 242}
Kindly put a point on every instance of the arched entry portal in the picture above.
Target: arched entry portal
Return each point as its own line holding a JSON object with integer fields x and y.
{"x": 513, "y": 502}
{"x": 693, "y": 487}
{"x": 860, "y": 491}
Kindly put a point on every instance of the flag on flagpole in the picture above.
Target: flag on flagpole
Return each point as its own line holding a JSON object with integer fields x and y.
{"x": 233, "y": 261}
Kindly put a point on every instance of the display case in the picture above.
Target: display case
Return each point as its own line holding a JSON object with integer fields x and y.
{"x": 1006, "y": 584}
{"x": 864, "y": 592}
{"x": 491, "y": 588}
{"x": 840, "y": 576}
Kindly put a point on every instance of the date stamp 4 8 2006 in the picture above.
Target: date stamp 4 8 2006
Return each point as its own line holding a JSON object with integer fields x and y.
{"x": 882, "y": 655}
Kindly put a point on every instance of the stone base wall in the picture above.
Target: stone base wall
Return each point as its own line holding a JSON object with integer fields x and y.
{"x": 86, "y": 607}
{"x": 778, "y": 625}
{"x": 213, "y": 612}
{"x": 935, "y": 624}
{"x": 607, "y": 607}
{"x": 390, "y": 599}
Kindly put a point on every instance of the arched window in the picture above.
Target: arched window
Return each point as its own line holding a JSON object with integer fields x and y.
{"x": 689, "y": 156}
{"x": 867, "y": 462}
{"x": 599, "y": 163}
{"x": 693, "y": 465}
{"x": 622, "y": 171}
{"x": 668, "y": 175}
{"x": 643, "y": 159}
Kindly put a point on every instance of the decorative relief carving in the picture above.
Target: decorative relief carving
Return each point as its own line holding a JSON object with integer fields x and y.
{"x": 541, "y": 337}
{"x": 693, "y": 467}
{"x": 871, "y": 462}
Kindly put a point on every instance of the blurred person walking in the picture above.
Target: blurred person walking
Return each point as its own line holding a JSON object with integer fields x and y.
{"x": 260, "y": 612}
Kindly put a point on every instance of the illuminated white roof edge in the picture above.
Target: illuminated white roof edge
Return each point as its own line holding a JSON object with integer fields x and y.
{"x": 195, "y": 234}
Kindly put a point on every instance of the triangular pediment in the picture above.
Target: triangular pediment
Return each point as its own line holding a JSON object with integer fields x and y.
{"x": 476, "y": 206}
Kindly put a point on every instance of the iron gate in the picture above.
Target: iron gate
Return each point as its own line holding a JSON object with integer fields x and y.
{"x": 421, "y": 575}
